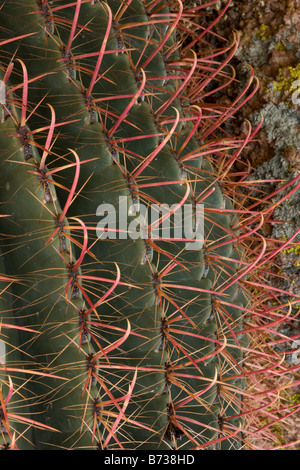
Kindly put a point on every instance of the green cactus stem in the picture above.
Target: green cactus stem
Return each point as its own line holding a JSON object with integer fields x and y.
{"x": 137, "y": 341}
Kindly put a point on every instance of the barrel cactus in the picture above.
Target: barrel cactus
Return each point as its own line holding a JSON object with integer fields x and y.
{"x": 121, "y": 330}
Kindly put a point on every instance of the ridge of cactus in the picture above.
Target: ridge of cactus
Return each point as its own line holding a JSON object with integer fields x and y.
{"x": 114, "y": 340}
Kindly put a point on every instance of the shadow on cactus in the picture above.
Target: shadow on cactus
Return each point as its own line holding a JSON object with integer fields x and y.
{"x": 120, "y": 331}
